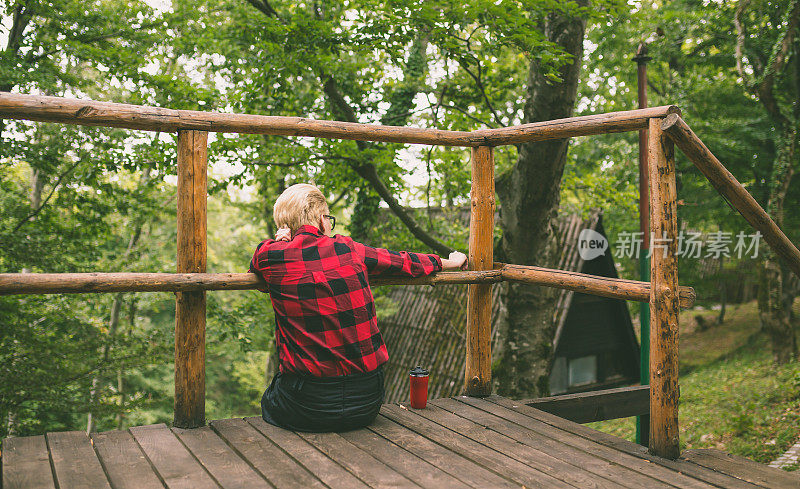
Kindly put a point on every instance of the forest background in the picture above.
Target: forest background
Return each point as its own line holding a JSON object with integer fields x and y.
{"x": 80, "y": 199}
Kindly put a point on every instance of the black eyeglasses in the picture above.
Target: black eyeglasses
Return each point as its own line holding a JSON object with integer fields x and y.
{"x": 333, "y": 220}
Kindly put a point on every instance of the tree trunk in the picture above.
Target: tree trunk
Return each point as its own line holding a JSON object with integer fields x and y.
{"x": 723, "y": 291}
{"x": 529, "y": 198}
{"x": 773, "y": 307}
{"x": 772, "y": 311}
{"x": 21, "y": 17}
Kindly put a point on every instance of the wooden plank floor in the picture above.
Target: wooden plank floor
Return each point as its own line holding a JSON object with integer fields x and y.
{"x": 458, "y": 442}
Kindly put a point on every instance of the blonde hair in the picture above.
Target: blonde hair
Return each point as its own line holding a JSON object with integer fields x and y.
{"x": 299, "y": 204}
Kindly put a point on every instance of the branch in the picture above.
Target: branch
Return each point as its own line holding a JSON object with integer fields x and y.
{"x": 340, "y": 105}
{"x": 740, "y": 37}
{"x": 778, "y": 58}
{"x": 98, "y": 367}
{"x": 479, "y": 84}
{"x": 369, "y": 174}
{"x": 39, "y": 209}
{"x": 344, "y": 111}
{"x": 338, "y": 199}
{"x": 265, "y": 8}
{"x": 22, "y": 17}
{"x": 653, "y": 87}
{"x": 779, "y": 55}
{"x": 466, "y": 113}
{"x": 265, "y": 163}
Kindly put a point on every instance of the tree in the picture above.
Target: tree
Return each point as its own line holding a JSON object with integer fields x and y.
{"x": 730, "y": 66}
{"x": 529, "y": 196}
{"x": 769, "y": 67}
{"x": 338, "y": 62}
{"x": 73, "y": 199}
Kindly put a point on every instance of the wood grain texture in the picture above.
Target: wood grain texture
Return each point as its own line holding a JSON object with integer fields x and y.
{"x": 84, "y": 283}
{"x": 331, "y": 473}
{"x": 615, "y": 288}
{"x": 224, "y": 465}
{"x": 108, "y": 114}
{"x": 74, "y": 461}
{"x": 462, "y": 441}
{"x": 175, "y": 465}
{"x": 730, "y": 188}
{"x": 190, "y": 311}
{"x": 743, "y": 468}
{"x": 499, "y": 463}
{"x": 408, "y": 464}
{"x": 629, "y": 120}
{"x": 600, "y": 470}
{"x": 267, "y": 458}
{"x": 124, "y": 462}
{"x": 677, "y": 473}
{"x": 535, "y": 458}
{"x": 664, "y": 305}
{"x": 478, "y": 371}
{"x": 357, "y": 460}
{"x": 26, "y": 463}
{"x": 587, "y": 407}
{"x": 454, "y": 464}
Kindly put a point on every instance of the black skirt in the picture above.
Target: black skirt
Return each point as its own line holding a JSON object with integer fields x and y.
{"x": 320, "y": 404}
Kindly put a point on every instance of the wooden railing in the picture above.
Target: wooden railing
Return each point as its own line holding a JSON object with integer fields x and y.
{"x": 587, "y": 407}
{"x": 191, "y": 282}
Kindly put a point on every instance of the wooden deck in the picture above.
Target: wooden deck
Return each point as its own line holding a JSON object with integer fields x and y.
{"x": 458, "y": 442}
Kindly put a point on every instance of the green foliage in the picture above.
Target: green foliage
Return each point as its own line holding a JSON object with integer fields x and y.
{"x": 733, "y": 397}
{"x": 87, "y": 199}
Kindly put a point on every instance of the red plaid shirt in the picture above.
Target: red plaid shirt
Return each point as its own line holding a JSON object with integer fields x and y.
{"x": 324, "y": 310}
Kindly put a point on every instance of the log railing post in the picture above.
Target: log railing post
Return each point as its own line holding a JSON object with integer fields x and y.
{"x": 478, "y": 372}
{"x": 664, "y": 305}
{"x": 190, "y": 310}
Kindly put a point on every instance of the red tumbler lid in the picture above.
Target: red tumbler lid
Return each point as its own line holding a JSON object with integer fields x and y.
{"x": 419, "y": 372}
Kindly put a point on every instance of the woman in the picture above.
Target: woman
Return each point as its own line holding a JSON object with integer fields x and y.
{"x": 329, "y": 347}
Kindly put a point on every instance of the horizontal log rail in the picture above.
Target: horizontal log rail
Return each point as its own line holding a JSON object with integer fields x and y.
{"x": 602, "y": 405}
{"x": 730, "y": 188}
{"x": 615, "y": 288}
{"x": 94, "y": 113}
{"x": 587, "y": 125}
{"x": 77, "y": 283}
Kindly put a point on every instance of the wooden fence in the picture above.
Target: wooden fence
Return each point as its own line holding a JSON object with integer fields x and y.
{"x": 665, "y": 127}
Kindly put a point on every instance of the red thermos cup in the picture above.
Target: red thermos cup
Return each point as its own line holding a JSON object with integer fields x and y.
{"x": 419, "y": 387}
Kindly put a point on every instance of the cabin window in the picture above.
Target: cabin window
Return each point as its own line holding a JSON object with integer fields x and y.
{"x": 558, "y": 377}
{"x": 583, "y": 370}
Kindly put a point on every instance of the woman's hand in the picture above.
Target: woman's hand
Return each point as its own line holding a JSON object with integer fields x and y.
{"x": 455, "y": 261}
{"x": 283, "y": 234}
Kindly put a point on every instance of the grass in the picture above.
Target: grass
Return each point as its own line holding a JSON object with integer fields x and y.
{"x": 732, "y": 396}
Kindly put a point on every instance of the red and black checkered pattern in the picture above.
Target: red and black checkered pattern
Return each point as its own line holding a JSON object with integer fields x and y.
{"x": 324, "y": 310}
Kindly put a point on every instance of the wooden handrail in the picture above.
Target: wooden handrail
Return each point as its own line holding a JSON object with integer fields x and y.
{"x": 82, "y": 283}
{"x": 587, "y": 125}
{"x": 77, "y": 283}
{"x": 109, "y": 114}
{"x": 615, "y": 288}
{"x": 730, "y": 188}
{"x": 588, "y": 407}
